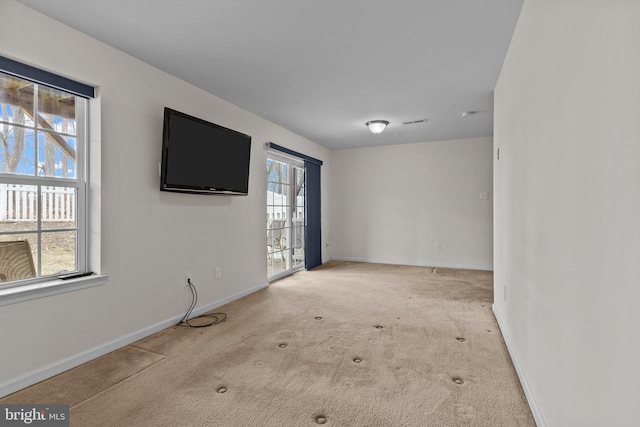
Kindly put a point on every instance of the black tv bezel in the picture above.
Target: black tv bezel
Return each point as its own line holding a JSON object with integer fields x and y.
{"x": 183, "y": 188}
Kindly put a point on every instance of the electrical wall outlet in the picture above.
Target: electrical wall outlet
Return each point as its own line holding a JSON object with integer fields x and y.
{"x": 438, "y": 246}
{"x": 187, "y": 279}
{"x": 217, "y": 273}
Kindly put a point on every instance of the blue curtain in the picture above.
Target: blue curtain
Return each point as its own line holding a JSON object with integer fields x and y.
{"x": 313, "y": 232}
{"x": 313, "y": 236}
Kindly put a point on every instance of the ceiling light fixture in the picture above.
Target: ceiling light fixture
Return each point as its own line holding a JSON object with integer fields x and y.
{"x": 377, "y": 126}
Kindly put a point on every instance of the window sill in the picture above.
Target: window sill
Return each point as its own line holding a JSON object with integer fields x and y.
{"x": 31, "y": 291}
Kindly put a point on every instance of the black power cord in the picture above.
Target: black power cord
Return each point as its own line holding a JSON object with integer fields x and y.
{"x": 216, "y": 317}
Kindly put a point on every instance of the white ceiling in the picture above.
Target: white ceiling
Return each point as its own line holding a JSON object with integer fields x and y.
{"x": 321, "y": 68}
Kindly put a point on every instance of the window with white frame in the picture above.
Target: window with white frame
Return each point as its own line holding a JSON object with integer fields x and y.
{"x": 43, "y": 185}
{"x": 285, "y": 215}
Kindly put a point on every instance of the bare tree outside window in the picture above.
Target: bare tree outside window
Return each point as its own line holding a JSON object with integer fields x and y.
{"x": 12, "y": 154}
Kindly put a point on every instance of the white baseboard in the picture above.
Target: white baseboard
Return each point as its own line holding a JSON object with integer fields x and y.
{"x": 71, "y": 362}
{"x": 417, "y": 264}
{"x": 535, "y": 410}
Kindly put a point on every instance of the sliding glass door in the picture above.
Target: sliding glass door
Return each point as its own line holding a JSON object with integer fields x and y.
{"x": 285, "y": 216}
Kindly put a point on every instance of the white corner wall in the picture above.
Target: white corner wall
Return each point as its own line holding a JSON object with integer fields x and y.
{"x": 567, "y": 203}
{"x": 146, "y": 240}
{"x": 392, "y": 204}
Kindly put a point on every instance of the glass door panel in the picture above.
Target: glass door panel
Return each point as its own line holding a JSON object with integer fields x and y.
{"x": 285, "y": 216}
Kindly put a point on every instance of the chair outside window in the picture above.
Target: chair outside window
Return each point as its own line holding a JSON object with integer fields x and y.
{"x": 16, "y": 261}
{"x": 275, "y": 240}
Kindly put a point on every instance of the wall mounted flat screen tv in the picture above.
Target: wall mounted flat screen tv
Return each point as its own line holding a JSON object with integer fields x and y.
{"x": 203, "y": 158}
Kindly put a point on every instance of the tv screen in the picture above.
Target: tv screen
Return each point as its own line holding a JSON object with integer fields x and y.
{"x": 202, "y": 157}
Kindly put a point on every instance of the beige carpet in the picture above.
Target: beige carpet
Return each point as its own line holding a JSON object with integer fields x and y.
{"x": 348, "y": 344}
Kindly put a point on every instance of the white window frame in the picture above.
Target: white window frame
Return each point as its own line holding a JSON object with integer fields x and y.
{"x": 24, "y": 290}
{"x": 291, "y": 162}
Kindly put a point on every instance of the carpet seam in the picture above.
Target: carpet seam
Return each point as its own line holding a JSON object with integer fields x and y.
{"x": 150, "y": 351}
{"x": 118, "y": 383}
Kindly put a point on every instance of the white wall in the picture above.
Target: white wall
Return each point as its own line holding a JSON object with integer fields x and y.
{"x": 392, "y": 204}
{"x": 567, "y": 122}
{"x": 146, "y": 240}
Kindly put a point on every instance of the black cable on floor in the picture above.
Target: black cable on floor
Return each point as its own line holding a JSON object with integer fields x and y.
{"x": 216, "y": 317}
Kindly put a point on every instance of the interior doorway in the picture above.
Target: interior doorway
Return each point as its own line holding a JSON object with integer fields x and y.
{"x": 285, "y": 216}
